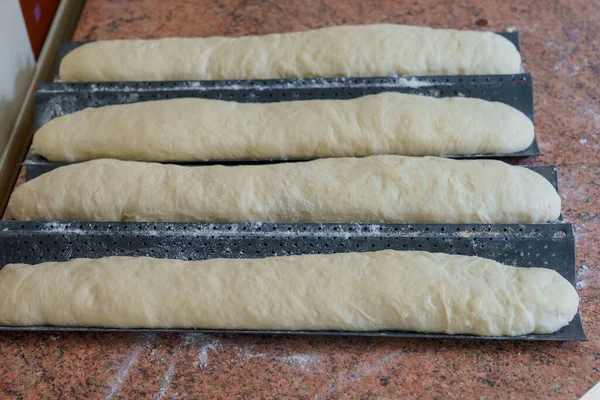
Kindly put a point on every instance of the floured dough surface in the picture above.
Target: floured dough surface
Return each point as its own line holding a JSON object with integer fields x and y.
{"x": 371, "y": 189}
{"x": 201, "y": 129}
{"x": 364, "y": 50}
{"x": 386, "y": 290}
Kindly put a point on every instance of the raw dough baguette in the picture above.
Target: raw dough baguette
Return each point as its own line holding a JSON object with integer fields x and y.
{"x": 199, "y": 129}
{"x": 371, "y": 189}
{"x": 367, "y": 50}
{"x": 386, "y": 290}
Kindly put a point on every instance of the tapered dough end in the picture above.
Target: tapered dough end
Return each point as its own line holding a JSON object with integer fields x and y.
{"x": 82, "y": 63}
{"x": 546, "y": 198}
{"x": 70, "y": 65}
{"x": 48, "y": 141}
{"x": 494, "y": 127}
{"x": 551, "y": 300}
{"x": 19, "y": 206}
{"x": 75, "y": 67}
{"x": 508, "y": 57}
{"x": 43, "y": 198}
{"x": 521, "y": 131}
{"x": 554, "y": 203}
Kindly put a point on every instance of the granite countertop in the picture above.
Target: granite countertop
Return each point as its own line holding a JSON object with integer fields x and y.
{"x": 560, "y": 48}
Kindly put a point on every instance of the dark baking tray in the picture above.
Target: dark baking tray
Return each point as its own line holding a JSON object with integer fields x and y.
{"x": 543, "y": 245}
{"x": 57, "y": 99}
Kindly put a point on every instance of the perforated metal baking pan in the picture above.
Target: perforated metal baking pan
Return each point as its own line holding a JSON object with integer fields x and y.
{"x": 545, "y": 245}
{"x": 57, "y": 99}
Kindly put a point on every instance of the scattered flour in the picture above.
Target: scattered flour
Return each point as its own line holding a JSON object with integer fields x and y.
{"x": 52, "y": 109}
{"x": 364, "y": 369}
{"x": 61, "y": 228}
{"x": 575, "y": 70}
{"x": 121, "y": 376}
{"x": 203, "y": 346}
{"x": 345, "y": 231}
{"x": 315, "y": 83}
{"x": 166, "y": 382}
{"x": 591, "y": 112}
{"x": 115, "y": 387}
{"x": 304, "y": 362}
{"x": 416, "y": 83}
{"x": 564, "y": 66}
{"x": 206, "y": 344}
{"x": 581, "y": 277}
{"x": 559, "y": 65}
{"x": 433, "y": 93}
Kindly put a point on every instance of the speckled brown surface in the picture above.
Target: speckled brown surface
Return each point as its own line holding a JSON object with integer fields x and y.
{"x": 560, "y": 48}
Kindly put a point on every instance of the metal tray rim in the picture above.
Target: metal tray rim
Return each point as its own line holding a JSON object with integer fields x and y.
{"x": 388, "y": 334}
{"x": 261, "y": 231}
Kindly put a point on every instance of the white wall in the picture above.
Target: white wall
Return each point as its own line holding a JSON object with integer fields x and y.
{"x": 17, "y": 65}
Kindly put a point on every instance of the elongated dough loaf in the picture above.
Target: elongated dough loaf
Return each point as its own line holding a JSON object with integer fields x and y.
{"x": 386, "y": 290}
{"x": 200, "y": 129}
{"x": 371, "y": 189}
{"x": 366, "y": 50}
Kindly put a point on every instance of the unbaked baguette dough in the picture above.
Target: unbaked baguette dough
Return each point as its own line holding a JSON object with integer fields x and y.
{"x": 377, "y": 188}
{"x": 200, "y": 129}
{"x": 366, "y": 50}
{"x": 386, "y": 290}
